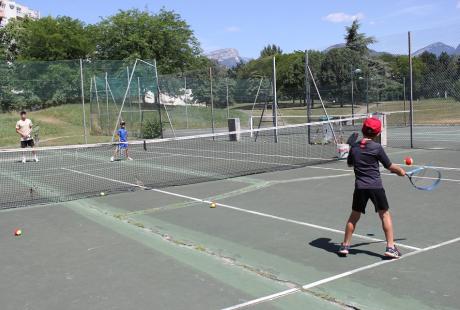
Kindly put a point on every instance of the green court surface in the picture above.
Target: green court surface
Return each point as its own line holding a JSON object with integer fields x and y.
{"x": 269, "y": 244}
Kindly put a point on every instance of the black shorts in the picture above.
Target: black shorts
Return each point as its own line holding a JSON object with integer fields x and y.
{"x": 27, "y": 143}
{"x": 376, "y": 195}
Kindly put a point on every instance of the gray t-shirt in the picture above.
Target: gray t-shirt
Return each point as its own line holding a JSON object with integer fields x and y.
{"x": 365, "y": 161}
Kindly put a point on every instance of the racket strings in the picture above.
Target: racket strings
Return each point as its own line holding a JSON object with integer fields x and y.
{"x": 425, "y": 178}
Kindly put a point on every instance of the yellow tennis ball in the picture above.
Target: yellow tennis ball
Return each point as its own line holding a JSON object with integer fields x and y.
{"x": 102, "y": 194}
{"x": 213, "y": 205}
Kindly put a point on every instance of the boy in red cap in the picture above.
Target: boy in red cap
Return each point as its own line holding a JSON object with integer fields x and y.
{"x": 364, "y": 157}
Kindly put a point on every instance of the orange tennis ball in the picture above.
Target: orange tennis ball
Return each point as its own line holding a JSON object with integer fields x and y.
{"x": 409, "y": 161}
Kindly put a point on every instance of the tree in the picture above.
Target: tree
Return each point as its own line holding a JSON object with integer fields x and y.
{"x": 9, "y": 37}
{"x": 47, "y": 38}
{"x": 357, "y": 41}
{"x": 291, "y": 76}
{"x": 270, "y": 50}
{"x": 335, "y": 77}
{"x": 132, "y": 34}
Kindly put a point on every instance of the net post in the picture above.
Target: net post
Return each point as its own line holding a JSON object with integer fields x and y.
{"x": 275, "y": 101}
{"x": 83, "y": 102}
{"x": 212, "y": 101}
{"x": 411, "y": 93}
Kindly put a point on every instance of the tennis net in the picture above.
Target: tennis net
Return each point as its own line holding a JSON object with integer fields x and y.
{"x": 74, "y": 172}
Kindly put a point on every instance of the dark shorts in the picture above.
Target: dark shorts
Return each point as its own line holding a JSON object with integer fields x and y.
{"x": 376, "y": 195}
{"x": 27, "y": 143}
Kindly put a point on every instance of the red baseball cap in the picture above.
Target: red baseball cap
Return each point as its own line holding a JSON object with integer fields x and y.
{"x": 372, "y": 126}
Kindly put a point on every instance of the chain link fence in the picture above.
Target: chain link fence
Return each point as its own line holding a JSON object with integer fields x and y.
{"x": 201, "y": 101}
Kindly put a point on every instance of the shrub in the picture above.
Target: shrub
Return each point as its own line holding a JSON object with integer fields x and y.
{"x": 152, "y": 129}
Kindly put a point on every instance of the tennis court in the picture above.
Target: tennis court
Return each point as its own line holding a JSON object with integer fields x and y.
{"x": 426, "y": 137}
{"x": 269, "y": 244}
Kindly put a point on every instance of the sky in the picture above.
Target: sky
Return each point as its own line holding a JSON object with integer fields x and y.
{"x": 249, "y": 25}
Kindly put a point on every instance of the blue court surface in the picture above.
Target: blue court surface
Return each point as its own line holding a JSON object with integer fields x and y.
{"x": 270, "y": 243}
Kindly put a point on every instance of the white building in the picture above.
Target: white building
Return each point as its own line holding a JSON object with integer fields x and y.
{"x": 10, "y": 9}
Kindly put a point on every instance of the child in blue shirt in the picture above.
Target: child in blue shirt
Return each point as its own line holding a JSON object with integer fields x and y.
{"x": 122, "y": 146}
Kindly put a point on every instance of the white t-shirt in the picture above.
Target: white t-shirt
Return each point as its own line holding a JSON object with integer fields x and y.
{"x": 25, "y": 129}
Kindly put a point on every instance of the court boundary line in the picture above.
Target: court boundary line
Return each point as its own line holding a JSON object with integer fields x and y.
{"x": 266, "y": 215}
{"x": 336, "y": 277}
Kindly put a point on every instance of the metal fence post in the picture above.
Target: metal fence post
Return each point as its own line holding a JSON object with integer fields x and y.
{"x": 308, "y": 94}
{"x": 83, "y": 102}
{"x": 275, "y": 101}
{"x": 212, "y": 102}
{"x": 411, "y": 94}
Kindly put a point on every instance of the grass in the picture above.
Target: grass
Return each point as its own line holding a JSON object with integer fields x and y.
{"x": 426, "y": 111}
{"x": 58, "y": 126}
{"x": 63, "y": 125}
{"x": 200, "y": 117}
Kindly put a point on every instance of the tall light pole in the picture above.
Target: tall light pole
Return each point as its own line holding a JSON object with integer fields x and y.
{"x": 353, "y": 72}
{"x": 367, "y": 94}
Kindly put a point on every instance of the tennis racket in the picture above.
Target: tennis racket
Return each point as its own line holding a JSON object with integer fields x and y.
{"x": 352, "y": 139}
{"x": 35, "y": 134}
{"x": 424, "y": 178}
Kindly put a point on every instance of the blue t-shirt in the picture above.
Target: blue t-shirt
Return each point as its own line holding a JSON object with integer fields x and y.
{"x": 123, "y": 135}
{"x": 365, "y": 161}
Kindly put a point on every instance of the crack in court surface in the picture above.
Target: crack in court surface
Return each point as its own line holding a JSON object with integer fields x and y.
{"x": 224, "y": 259}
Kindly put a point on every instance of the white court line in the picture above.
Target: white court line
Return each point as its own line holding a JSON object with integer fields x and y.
{"x": 279, "y": 218}
{"x": 336, "y": 277}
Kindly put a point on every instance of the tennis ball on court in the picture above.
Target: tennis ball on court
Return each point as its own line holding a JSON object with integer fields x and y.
{"x": 102, "y": 194}
{"x": 409, "y": 161}
{"x": 213, "y": 205}
{"x": 18, "y": 232}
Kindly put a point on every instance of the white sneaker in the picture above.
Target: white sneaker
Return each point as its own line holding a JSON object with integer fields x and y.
{"x": 23, "y": 160}
{"x": 129, "y": 158}
{"x": 112, "y": 159}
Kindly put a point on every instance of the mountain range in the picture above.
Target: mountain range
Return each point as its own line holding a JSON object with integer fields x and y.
{"x": 230, "y": 57}
{"x": 227, "y": 57}
{"x": 437, "y": 48}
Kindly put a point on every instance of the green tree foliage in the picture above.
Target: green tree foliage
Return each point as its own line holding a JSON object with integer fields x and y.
{"x": 47, "y": 38}
{"x": 9, "y": 38}
{"x": 357, "y": 41}
{"x": 271, "y": 50}
{"x": 336, "y": 71}
{"x": 291, "y": 76}
{"x": 164, "y": 36}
